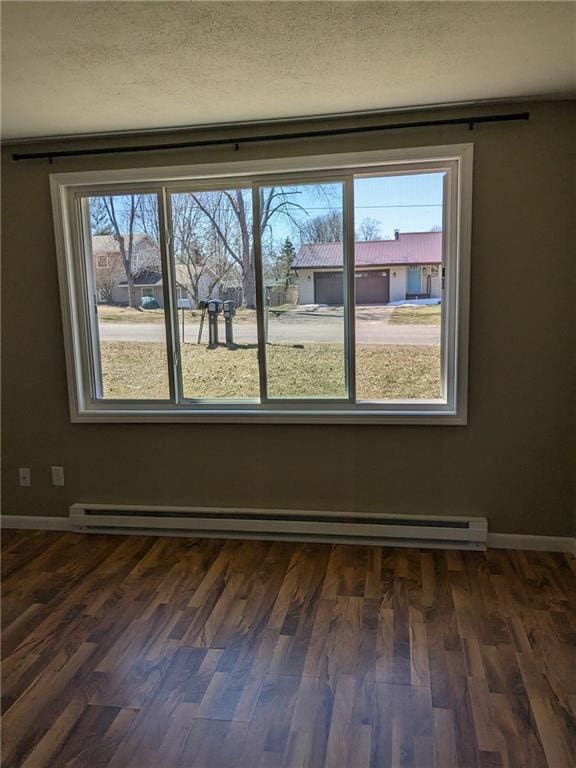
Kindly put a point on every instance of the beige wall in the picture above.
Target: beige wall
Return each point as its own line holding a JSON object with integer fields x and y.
{"x": 512, "y": 463}
{"x": 397, "y": 283}
{"x": 306, "y": 286}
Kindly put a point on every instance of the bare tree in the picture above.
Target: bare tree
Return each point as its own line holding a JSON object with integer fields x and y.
{"x": 123, "y": 224}
{"x": 186, "y": 248}
{"x": 199, "y": 251}
{"x": 148, "y": 218}
{"x": 369, "y": 229}
{"x": 237, "y": 241}
{"x": 326, "y": 228}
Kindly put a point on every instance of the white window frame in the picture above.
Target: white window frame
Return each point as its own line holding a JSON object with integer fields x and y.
{"x": 78, "y": 324}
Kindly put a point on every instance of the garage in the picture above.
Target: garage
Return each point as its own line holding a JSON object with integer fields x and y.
{"x": 372, "y": 287}
{"x": 328, "y": 288}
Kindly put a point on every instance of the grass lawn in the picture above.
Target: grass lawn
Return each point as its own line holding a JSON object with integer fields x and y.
{"x": 428, "y": 314}
{"x": 109, "y": 314}
{"x": 137, "y": 370}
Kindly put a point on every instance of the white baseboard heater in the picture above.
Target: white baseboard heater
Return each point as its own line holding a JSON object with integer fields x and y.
{"x": 284, "y": 524}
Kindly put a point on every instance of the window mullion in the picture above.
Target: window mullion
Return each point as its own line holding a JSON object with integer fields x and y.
{"x": 170, "y": 303}
{"x": 88, "y": 299}
{"x": 260, "y": 297}
{"x": 449, "y": 325}
{"x": 350, "y": 289}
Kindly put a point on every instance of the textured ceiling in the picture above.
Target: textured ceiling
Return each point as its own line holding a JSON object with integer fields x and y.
{"x": 83, "y": 67}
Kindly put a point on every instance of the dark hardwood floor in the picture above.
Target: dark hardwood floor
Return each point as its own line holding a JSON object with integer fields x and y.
{"x": 143, "y": 652}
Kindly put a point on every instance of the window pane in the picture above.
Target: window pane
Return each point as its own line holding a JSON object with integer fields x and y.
{"x": 302, "y": 253}
{"x": 398, "y": 261}
{"x": 125, "y": 267}
{"x": 212, "y": 248}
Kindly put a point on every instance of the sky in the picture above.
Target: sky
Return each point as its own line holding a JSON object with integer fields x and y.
{"x": 409, "y": 202}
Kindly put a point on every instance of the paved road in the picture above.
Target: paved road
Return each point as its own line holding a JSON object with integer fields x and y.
{"x": 293, "y": 332}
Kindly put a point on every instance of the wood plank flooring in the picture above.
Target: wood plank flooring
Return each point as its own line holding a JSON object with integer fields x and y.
{"x": 144, "y": 652}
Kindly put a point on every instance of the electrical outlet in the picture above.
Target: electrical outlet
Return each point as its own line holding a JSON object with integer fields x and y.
{"x": 57, "y": 475}
{"x": 25, "y": 476}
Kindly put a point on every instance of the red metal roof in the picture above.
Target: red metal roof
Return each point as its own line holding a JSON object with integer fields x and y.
{"x": 410, "y": 248}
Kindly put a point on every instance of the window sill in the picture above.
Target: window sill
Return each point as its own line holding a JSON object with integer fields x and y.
{"x": 438, "y": 415}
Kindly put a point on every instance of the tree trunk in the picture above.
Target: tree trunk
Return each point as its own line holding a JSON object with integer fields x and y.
{"x": 248, "y": 279}
{"x": 248, "y": 276}
{"x": 132, "y": 301}
{"x": 249, "y": 288}
{"x": 194, "y": 291}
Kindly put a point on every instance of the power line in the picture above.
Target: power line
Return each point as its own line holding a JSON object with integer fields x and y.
{"x": 328, "y": 208}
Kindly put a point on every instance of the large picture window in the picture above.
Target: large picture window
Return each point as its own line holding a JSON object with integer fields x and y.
{"x": 319, "y": 289}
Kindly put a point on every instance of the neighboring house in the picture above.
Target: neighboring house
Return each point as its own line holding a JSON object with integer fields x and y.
{"x": 112, "y": 285}
{"x": 110, "y": 274}
{"x": 407, "y": 267}
{"x": 148, "y": 282}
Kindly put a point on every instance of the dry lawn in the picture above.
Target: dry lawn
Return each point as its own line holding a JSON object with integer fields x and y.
{"x": 428, "y": 314}
{"x": 110, "y": 314}
{"x": 133, "y": 370}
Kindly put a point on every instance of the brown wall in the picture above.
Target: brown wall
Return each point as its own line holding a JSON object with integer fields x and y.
{"x": 512, "y": 463}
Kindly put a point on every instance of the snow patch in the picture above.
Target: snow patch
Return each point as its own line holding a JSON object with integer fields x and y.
{"x": 414, "y": 303}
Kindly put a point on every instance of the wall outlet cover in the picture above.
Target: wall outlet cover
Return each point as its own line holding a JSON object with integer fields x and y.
{"x": 24, "y": 476}
{"x": 57, "y": 475}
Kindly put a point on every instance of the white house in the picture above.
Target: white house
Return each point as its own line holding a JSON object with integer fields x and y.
{"x": 407, "y": 267}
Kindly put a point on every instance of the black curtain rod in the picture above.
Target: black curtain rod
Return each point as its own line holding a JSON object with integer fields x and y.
{"x": 469, "y": 121}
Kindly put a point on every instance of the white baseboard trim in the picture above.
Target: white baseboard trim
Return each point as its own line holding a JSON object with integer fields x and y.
{"x": 36, "y": 523}
{"x": 526, "y": 541}
{"x": 495, "y": 540}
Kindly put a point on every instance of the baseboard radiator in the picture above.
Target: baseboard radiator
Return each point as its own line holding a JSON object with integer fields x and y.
{"x": 282, "y": 524}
